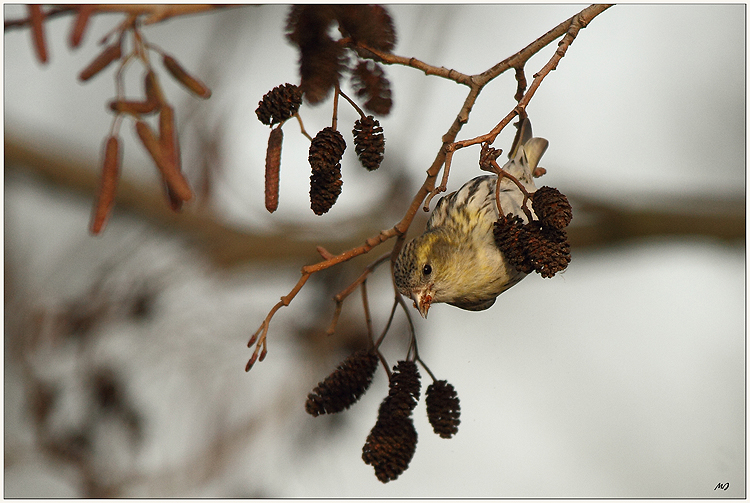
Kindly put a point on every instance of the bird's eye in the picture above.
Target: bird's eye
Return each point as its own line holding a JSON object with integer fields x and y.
{"x": 427, "y": 270}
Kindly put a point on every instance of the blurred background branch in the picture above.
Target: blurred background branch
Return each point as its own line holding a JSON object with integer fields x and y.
{"x": 597, "y": 223}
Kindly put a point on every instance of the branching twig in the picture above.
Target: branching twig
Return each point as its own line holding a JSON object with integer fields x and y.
{"x": 476, "y": 83}
{"x": 342, "y": 295}
{"x": 153, "y": 13}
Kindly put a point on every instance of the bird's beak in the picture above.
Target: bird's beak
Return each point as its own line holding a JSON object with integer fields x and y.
{"x": 422, "y": 302}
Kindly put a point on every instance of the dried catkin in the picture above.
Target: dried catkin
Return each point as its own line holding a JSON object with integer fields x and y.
{"x": 107, "y": 185}
{"x": 273, "y": 166}
{"x": 107, "y": 56}
{"x": 191, "y": 83}
{"x": 80, "y": 24}
{"x": 36, "y": 20}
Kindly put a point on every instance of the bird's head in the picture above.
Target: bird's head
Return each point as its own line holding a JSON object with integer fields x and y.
{"x": 420, "y": 270}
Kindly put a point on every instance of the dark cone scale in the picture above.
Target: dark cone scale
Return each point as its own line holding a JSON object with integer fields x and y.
{"x": 344, "y": 386}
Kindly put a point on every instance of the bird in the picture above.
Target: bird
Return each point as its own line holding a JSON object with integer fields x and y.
{"x": 455, "y": 260}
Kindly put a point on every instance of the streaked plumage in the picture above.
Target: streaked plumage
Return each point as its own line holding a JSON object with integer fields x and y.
{"x": 456, "y": 260}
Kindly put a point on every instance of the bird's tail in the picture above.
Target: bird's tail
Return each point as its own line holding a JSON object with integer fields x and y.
{"x": 525, "y": 154}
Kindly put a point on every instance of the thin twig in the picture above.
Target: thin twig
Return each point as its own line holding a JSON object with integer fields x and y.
{"x": 387, "y": 325}
{"x": 156, "y": 13}
{"x": 302, "y": 127}
{"x": 368, "y": 318}
{"x": 356, "y": 107}
{"x": 51, "y": 13}
{"x": 412, "y": 331}
{"x": 393, "y": 59}
{"x": 342, "y": 295}
{"x": 443, "y": 183}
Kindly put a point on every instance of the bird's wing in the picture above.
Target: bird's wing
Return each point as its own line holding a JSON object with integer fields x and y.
{"x": 440, "y": 213}
{"x": 474, "y": 306}
{"x": 465, "y": 207}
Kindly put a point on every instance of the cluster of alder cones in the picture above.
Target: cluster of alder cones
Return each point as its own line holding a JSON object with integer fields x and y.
{"x": 326, "y": 149}
{"x": 392, "y": 442}
{"x": 323, "y": 62}
{"x": 540, "y": 245}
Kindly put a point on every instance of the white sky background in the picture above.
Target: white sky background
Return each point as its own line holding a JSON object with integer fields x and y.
{"x": 623, "y": 377}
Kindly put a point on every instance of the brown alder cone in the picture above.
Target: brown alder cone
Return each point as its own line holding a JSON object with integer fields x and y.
{"x": 552, "y": 207}
{"x": 279, "y": 104}
{"x": 191, "y": 83}
{"x": 80, "y": 24}
{"x": 107, "y": 56}
{"x": 369, "y": 24}
{"x": 443, "y": 408}
{"x": 393, "y": 440}
{"x": 370, "y": 82}
{"x": 547, "y": 249}
{"x": 107, "y": 185}
{"x": 344, "y": 386}
{"x": 532, "y": 247}
{"x": 369, "y": 142}
{"x": 325, "y": 154}
{"x": 273, "y": 166}
{"x": 390, "y": 446}
{"x": 510, "y": 237}
{"x": 36, "y": 19}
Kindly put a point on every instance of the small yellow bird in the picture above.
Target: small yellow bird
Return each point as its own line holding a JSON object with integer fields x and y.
{"x": 456, "y": 260}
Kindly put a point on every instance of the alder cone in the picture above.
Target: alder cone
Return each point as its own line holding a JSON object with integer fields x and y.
{"x": 344, "y": 386}
{"x": 369, "y": 24}
{"x": 370, "y": 82}
{"x": 279, "y": 104}
{"x": 326, "y": 151}
{"x": 532, "y": 247}
{"x": 392, "y": 442}
{"x": 551, "y": 207}
{"x": 369, "y": 142}
{"x": 443, "y": 408}
{"x": 390, "y": 446}
{"x": 510, "y": 238}
{"x": 547, "y": 249}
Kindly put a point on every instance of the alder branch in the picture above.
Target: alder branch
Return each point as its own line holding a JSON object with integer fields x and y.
{"x": 573, "y": 26}
{"x": 570, "y": 28}
{"x": 609, "y": 223}
{"x": 152, "y": 13}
